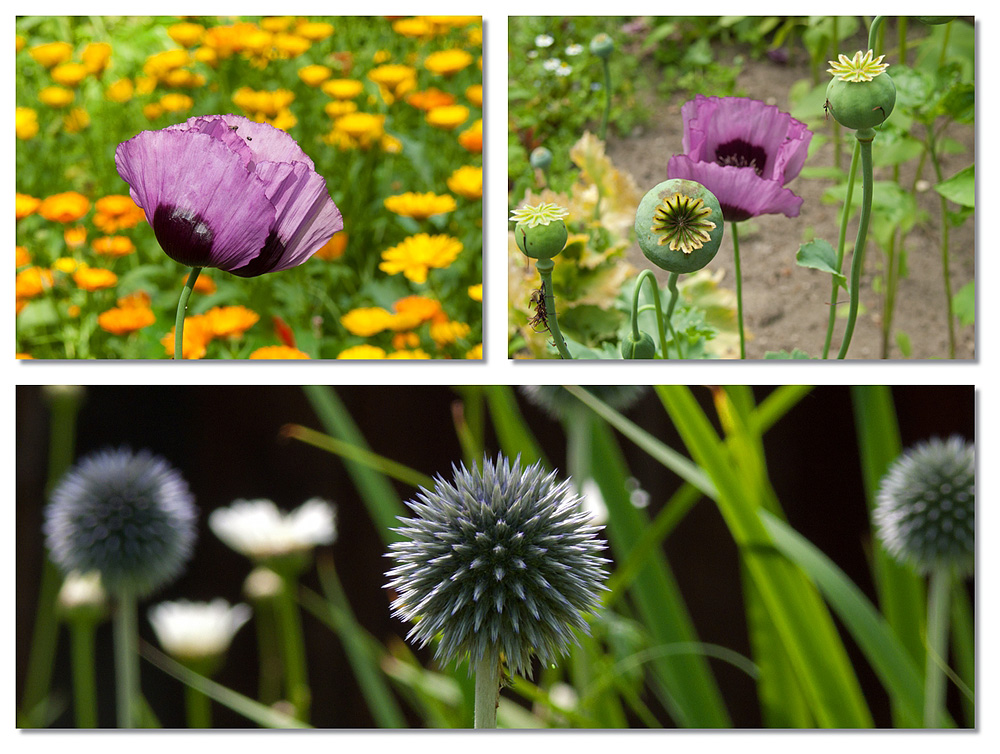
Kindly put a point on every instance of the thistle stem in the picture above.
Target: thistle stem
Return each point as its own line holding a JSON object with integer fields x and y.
{"x": 660, "y": 324}
{"x": 181, "y": 309}
{"x": 199, "y": 709}
{"x": 126, "y": 635}
{"x": 865, "y": 137}
{"x": 937, "y": 646}
{"x": 545, "y": 267}
{"x": 293, "y": 648}
{"x": 84, "y": 677}
{"x": 487, "y": 690}
{"x": 739, "y": 290}
{"x": 845, "y": 215}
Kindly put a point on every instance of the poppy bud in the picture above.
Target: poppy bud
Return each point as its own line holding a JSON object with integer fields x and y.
{"x": 638, "y": 348}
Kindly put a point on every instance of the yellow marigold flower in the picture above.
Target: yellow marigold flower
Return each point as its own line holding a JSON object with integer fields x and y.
{"x": 113, "y": 246}
{"x": 291, "y": 45}
{"x": 25, "y": 205}
{"x": 447, "y": 62}
{"x": 360, "y": 126}
{"x": 474, "y": 94}
{"x": 420, "y": 206}
{"x": 402, "y": 341}
{"x": 25, "y": 123}
{"x": 176, "y": 103}
{"x": 65, "y": 265}
{"x": 66, "y": 207}
{"x": 186, "y": 34}
{"x": 415, "y": 28}
{"x": 416, "y": 255}
{"x": 475, "y": 353}
{"x": 448, "y": 117}
{"x": 337, "y": 108}
{"x": 69, "y": 74}
{"x": 20, "y": 43}
{"x": 467, "y": 181}
{"x": 197, "y": 336}
{"x": 207, "y": 55}
{"x": 125, "y": 320}
{"x": 392, "y": 75}
{"x": 160, "y": 63}
{"x": 268, "y": 104}
{"x": 182, "y": 78}
{"x": 56, "y": 97}
{"x": 51, "y": 53}
{"x": 230, "y": 321}
{"x": 94, "y": 278}
{"x": 276, "y": 23}
{"x": 76, "y": 120}
{"x": 314, "y": 75}
{"x": 32, "y": 282}
{"x": 96, "y": 56}
{"x": 476, "y": 292}
{"x": 446, "y": 333}
{"x": 362, "y": 352}
{"x": 366, "y": 321}
{"x": 390, "y": 144}
{"x": 117, "y": 211}
{"x": 422, "y": 308}
{"x": 120, "y": 91}
{"x": 314, "y": 31}
{"x": 414, "y": 354}
{"x": 22, "y": 257}
{"x": 75, "y": 237}
{"x": 284, "y": 120}
{"x": 279, "y": 352}
{"x": 152, "y": 111}
{"x": 471, "y": 138}
{"x": 429, "y": 99}
{"x": 343, "y": 88}
{"x": 333, "y": 249}
{"x": 73, "y": 310}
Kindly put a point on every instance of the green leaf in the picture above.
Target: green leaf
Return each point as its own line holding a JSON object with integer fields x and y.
{"x": 964, "y": 304}
{"x": 905, "y": 346}
{"x": 820, "y": 255}
{"x": 960, "y": 188}
{"x": 796, "y": 353}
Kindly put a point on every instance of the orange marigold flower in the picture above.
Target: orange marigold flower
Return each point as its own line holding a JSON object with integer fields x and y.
{"x": 230, "y": 321}
{"x": 152, "y": 111}
{"x": 197, "y": 336}
{"x": 95, "y": 57}
{"x": 69, "y": 74}
{"x": 32, "y": 282}
{"x": 447, "y": 62}
{"x": 56, "y": 97}
{"x": 421, "y": 307}
{"x": 446, "y": 333}
{"x": 467, "y": 181}
{"x": 472, "y": 137}
{"x": 21, "y": 256}
{"x": 420, "y": 206}
{"x": 404, "y": 340}
{"x": 416, "y": 255}
{"x": 113, "y": 246}
{"x": 51, "y": 53}
{"x": 279, "y": 352}
{"x": 448, "y": 117}
{"x": 205, "y": 284}
{"x": 414, "y": 354}
{"x": 333, "y": 249}
{"x": 25, "y": 123}
{"x": 94, "y": 278}
{"x": 75, "y": 237}
{"x": 139, "y": 299}
{"x": 276, "y": 23}
{"x": 125, "y": 320}
{"x": 363, "y": 351}
{"x": 115, "y": 212}
{"x": 23, "y": 355}
{"x": 429, "y": 99}
{"x": 66, "y": 207}
{"x": 25, "y": 205}
{"x": 343, "y": 88}
{"x": 186, "y": 34}
{"x": 474, "y": 94}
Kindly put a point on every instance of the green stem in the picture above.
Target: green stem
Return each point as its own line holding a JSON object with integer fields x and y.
{"x": 607, "y": 99}
{"x": 865, "y": 137}
{"x": 739, "y": 291}
{"x": 937, "y": 646}
{"x": 181, "y": 309}
{"x": 945, "y": 262}
{"x": 873, "y": 33}
{"x": 661, "y": 325}
{"x": 126, "y": 634}
{"x": 672, "y": 287}
{"x": 84, "y": 678}
{"x": 487, "y": 690}
{"x": 841, "y": 244}
{"x": 545, "y": 267}
{"x": 199, "y": 709}
{"x": 293, "y": 648}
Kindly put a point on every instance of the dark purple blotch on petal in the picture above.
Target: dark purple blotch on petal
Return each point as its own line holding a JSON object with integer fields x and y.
{"x": 183, "y": 235}
{"x": 269, "y": 258}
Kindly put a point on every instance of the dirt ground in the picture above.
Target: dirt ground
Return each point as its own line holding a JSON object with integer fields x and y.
{"x": 784, "y": 305}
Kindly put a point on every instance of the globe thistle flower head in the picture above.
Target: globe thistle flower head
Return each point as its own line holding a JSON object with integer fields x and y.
{"x": 129, "y": 516}
{"x": 500, "y": 558}
{"x": 558, "y": 402}
{"x": 925, "y": 514}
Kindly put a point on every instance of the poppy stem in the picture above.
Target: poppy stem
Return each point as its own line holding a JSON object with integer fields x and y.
{"x": 607, "y": 99}
{"x": 544, "y": 267}
{"x": 739, "y": 290}
{"x": 841, "y": 242}
{"x": 661, "y": 326}
{"x": 181, "y": 308}
{"x": 672, "y": 287}
{"x": 865, "y": 137}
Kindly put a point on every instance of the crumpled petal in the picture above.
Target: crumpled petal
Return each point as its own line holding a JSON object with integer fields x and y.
{"x": 742, "y": 193}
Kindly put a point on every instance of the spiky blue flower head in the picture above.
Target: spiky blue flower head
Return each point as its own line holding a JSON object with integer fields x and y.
{"x": 926, "y": 510}
{"x": 128, "y": 515}
{"x": 499, "y": 558}
{"x": 557, "y": 401}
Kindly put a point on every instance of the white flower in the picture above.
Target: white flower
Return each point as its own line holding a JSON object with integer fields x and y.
{"x": 564, "y": 69}
{"x": 552, "y": 64}
{"x": 574, "y": 50}
{"x": 82, "y": 590}
{"x": 593, "y": 502}
{"x": 193, "y": 630}
{"x": 543, "y": 40}
{"x": 257, "y": 529}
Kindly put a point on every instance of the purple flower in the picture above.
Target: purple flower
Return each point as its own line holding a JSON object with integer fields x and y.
{"x": 223, "y": 191}
{"x": 744, "y": 152}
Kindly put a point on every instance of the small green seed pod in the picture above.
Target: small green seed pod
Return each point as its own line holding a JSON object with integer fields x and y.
{"x": 602, "y": 46}
{"x": 643, "y": 348}
{"x": 861, "y": 104}
{"x": 541, "y": 241}
{"x": 540, "y": 158}
{"x": 679, "y": 225}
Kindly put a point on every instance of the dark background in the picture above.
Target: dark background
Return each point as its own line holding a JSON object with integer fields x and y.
{"x": 225, "y": 441}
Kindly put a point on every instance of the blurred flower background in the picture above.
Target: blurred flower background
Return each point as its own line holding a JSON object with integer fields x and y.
{"x": 390, "y": 111}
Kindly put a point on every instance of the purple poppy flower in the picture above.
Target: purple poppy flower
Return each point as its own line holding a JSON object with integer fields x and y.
{"x": 744, "y": 152}
{"x": 223, "y": 191}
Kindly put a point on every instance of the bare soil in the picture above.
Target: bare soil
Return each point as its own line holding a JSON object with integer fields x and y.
{"x": 786, "y": 306}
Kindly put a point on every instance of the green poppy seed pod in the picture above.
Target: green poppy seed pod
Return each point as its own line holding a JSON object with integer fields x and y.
{"x": 638, "y": 348}
{"x": 935, "y": 20}
{"x": 679, "y": 225}
{"x": 602, "y": 46}
{"x": 861, "y": 104}
{"x": 540, "y": 158}
{"x": 541, "y": 241}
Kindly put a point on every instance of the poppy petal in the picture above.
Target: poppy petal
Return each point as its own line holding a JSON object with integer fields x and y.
{"x": 742, "y": 193}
